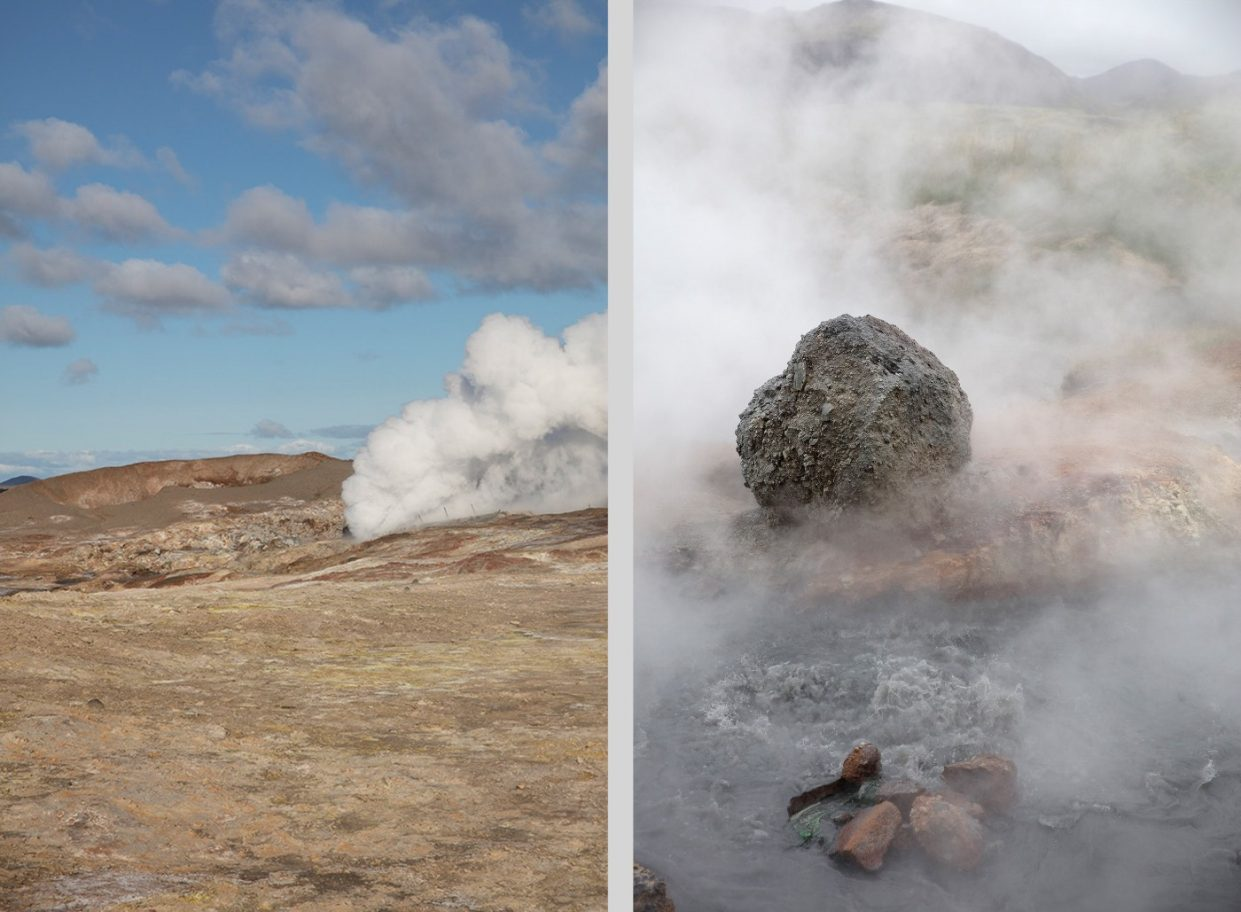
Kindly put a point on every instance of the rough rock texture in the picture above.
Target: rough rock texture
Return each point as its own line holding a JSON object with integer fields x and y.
{"x": 650, "y": 894}
{"x": 988, "y": 779}
{"x": 861, "y": 764}
{"x": 865, "y": 839}
{"x": 947, "y": 833}
{"x": 861, "y": 414}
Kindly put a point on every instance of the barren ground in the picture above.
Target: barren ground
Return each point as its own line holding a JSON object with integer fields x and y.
{"x": 413, "y": 723}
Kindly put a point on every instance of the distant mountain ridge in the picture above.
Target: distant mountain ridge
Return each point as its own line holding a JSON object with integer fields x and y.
{"x": 868, "y": 48}
{"x": 910, "y": 55}
{"x": 15, "y": 481}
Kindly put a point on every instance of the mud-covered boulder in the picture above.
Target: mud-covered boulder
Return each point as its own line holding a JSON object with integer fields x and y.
{"x": 862, "y": 414}
{"x": 865, "y": 840}
{"x": 988, "y": 779}
{"x": 650, "y": 894}
{"x": 947, "y": 833}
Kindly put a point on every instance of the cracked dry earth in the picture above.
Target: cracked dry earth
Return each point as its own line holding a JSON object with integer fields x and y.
{"x": 414, "y": 723}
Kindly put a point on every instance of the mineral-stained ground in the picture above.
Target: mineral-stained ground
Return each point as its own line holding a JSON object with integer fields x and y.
{"x": 281, "y": 717}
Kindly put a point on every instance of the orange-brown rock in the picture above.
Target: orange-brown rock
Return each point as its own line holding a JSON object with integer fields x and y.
{"x": 989, "y": 779}
{"x": 900, "y": 792}
{"x": 973, "y": 808}
{"x": 947, "y": 833}
{"x": 865, "y": 839}
{"x": 861, "y": 764}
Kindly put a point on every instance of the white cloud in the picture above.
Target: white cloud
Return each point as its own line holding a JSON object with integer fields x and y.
{"x": 148, "y": 290}
{"x": 116, "y": 215}
{"x": 59, "y": 144}
{"x": 26, "y": 193}
{"x": 169, "y": 162}
{"x": 564, "y": 17}
{"x": 268, "y": 217}
{"x": 83, "y": 370}
{"x": 429, "y": 112}
{"x": 581, "y": 148}
{"x": 282, "y": 280}
{"x": 386, "y": 285}
{"x": 52, "y": 266}
{"x": 25, "y": 326}
{"x": 269, "y": 428}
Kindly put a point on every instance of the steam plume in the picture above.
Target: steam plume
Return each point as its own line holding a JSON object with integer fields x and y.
{"x": 523, "y": 427}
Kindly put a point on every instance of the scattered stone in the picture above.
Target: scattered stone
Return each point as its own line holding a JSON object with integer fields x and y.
{"x": 862, "y": 413}
{"x": 95, "y": 703}
{"x": 988, "y": 779}
{"x": 650, "y": 894}
{"x": 901, "y": 792}
{"x": 861, "y": 764}
{"x": 865, "y": 839}
{"x": 840, "y": 818}
{"x": 947, "y": 833}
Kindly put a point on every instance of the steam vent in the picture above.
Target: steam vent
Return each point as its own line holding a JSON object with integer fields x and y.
{"x": 861, "y": 415}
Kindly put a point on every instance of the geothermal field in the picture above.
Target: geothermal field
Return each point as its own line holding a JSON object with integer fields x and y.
{"x": 951, "y": 467}
{"x": 215, "y": 697}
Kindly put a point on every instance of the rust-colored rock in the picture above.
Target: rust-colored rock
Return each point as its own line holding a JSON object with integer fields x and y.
{"x": 989, "y": 779}
{"x": 865, "y": 839}
{"x": 650, "y": 894}
{"x": 947, "y": 833}
{"x": 973, "y": 808}
{"x": 861, "y": 764}
{"x": 900, "y": 792}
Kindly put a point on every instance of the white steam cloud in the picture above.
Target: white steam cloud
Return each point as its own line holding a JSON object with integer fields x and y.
{"x": 523, "y": 427}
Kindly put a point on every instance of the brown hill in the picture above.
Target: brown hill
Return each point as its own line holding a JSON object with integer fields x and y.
{"x": 126, "y": 484}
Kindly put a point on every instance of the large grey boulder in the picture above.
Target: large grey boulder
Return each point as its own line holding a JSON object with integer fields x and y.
{"x": 862, "y": 415}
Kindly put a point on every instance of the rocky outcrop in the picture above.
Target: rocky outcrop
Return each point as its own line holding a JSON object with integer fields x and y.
{"x": 865, "y": 840}
{"x": 947, "y": 833}
{"x": 988, "y": 779}
{"x": 650, "y": 894}
{"x": 861, "y": 415}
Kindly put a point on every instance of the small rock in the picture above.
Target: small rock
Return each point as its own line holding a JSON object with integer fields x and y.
{"x": 840, "y": 818}
{"x": 989, "y": 779}
{"x": 216, "y": 732}
{"x": 861, "y": 764}
{"x": 947, "y": 833}
{"x": 650, "y": 894}
{"x": 865, "y": 839}
{"x": 95, "y": 703}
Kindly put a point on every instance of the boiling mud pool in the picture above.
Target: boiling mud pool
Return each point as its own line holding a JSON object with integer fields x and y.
{"x": 1122, "y": 711}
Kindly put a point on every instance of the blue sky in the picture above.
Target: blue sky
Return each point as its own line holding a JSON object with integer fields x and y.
{"x": 255, "y": 225}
